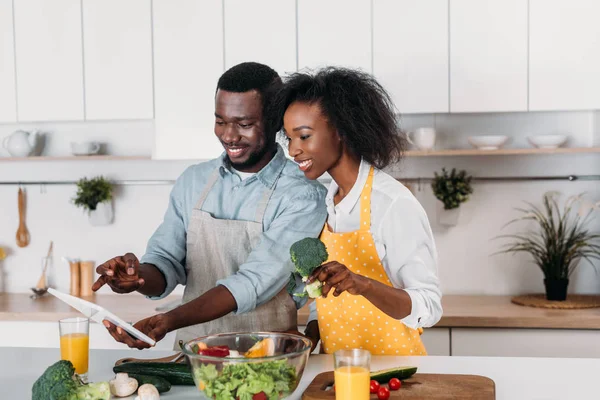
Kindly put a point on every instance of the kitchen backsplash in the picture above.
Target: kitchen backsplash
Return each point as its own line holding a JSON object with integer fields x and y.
{"x": 466, "y": 264}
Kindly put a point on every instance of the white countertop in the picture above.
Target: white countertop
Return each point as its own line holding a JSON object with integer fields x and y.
{"x": 515, "y": 378}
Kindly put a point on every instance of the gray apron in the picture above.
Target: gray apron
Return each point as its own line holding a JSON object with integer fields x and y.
{"x": 215, "y": 250}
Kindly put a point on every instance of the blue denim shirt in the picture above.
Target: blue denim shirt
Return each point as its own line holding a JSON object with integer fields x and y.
{"x": 296, "y": 210}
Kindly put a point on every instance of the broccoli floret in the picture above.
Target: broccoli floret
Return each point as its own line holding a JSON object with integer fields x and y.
{"x": 308, "y": 254}
{"x": 56, "y": 383}
{"x": 59, "y": 382}
{"x": 314, "y": 289}
{"x": 93, "y": 391}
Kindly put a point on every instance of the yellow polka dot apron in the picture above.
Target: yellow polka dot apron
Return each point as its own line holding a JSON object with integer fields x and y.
{"x": 348, "y": 321}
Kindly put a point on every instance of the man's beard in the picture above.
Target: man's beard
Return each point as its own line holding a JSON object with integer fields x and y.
{"x": 252, "y": 160}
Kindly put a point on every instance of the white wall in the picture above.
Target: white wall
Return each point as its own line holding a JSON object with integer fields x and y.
{"x": 466, "y": 264}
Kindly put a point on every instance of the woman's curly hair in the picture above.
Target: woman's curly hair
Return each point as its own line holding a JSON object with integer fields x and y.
{"x": 355, "y": 104}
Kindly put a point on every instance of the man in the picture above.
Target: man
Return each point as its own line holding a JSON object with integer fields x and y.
{"x": 228, "y": 227}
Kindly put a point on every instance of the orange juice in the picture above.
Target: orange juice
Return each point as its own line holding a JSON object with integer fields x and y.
{"x": 75, "y": 348}
{"x": 352, "y": 383}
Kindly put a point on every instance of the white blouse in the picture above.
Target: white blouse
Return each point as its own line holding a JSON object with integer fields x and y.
{"x": 403, "y": 240}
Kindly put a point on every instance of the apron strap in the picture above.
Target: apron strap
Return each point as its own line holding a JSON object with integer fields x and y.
{"x": 261, "y": 208}
{"x": 209, "y": 185}
{"x": 365, "y": 203}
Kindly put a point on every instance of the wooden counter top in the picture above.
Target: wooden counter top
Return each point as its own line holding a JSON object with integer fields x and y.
{"x": 130, "y": 307}
{"x": 459, "y": 311}
{"x": 472, "y": 311}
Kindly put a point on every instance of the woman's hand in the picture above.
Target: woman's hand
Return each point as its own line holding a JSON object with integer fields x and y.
{"x": 338, "y": 276}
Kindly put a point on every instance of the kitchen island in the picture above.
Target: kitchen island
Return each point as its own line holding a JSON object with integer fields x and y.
{"x": 515, "y": 378}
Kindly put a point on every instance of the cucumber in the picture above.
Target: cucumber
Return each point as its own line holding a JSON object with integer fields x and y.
{"x": 174, "y": 373}
{"x": 161, "y": 384}
{"x": 385, "y": 375}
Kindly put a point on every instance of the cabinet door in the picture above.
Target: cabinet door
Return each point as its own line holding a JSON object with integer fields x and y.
{"x": 564, "y": 55}
{"x": 410, "y": 53}
{"x": 252, "y": 34}
{"x": 188, "y": 61}
{"x": 488, "y": 55}
{"x": 561, "y": 343}
{"x": 436, "y": 341}
{"x": 334, "y": 32}
{"x": 117, "y": 43}
{"x": 49, "y": 60}
{"x": 8, "y": 100}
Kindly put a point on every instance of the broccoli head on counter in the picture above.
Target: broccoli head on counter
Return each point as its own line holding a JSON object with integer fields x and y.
{"x": 308, "y": 254}
{"x": 59, "y": 382}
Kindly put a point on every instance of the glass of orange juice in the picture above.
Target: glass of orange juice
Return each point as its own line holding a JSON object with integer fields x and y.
{"x": 75, "y": 343}
{"x": 352, "y": 374}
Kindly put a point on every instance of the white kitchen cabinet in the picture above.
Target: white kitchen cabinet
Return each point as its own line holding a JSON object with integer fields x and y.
{"x": 488, "y": 55}
{"x": 565, "y": 343}
{"x": 271, "y": 41}
{"x": 188, "y": 61}
{"x": 45, "y": 334}
{"x": 410, "y": 53}
{"x": 49, "y": 60}
{"x": 564, "y": 55}
{"x": 436, "y": 341}
{"x": 8, "y": 100}
{"x": 117, "y": 43}
{"x": 334, "y": 32}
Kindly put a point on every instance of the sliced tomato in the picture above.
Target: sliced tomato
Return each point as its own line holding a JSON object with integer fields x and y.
{"x": 374, "y": 387}
{"x": 383, "y": 393}
{"x": 260, "y": 396}
{"x": 395, "y": 384}
{"x": 215, "y": 351}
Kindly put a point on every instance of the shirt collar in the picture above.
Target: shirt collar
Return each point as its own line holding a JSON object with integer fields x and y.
{"x": 267, "y": 175}
{"x": 351, "y": 199}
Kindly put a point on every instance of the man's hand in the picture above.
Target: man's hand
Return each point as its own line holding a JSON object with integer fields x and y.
{"x": 338, "y": 276}
{"x": 312, "y": 332}
{"x": 156, "y": 327}
{"x": 120, "y": 273}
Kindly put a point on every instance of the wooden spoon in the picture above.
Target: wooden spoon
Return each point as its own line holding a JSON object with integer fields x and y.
{"x": 22, "y": 233}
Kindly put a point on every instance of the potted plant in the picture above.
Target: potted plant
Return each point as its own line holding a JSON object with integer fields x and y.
{"x": 95, "y": 196}
{"x": 451, "y": 188}
{"x": 558, "y": 242}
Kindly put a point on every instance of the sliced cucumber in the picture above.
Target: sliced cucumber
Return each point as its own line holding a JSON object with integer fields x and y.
{"x": 384, "y": 375}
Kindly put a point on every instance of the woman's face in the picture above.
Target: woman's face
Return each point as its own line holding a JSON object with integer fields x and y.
{"x": 315, "y": 145}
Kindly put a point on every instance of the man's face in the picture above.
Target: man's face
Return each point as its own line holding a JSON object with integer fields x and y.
{"x": 239, "y": 127}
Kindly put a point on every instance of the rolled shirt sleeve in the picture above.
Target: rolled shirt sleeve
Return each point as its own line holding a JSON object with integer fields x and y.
{"x": 268, "y": 267}
{"x": 411, "y": 260}
{"x": 167, "y": 248}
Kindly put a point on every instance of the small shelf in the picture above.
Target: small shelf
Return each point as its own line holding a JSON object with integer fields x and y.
{"x": 76, "y": 158}
{"x": 501, "y": 152}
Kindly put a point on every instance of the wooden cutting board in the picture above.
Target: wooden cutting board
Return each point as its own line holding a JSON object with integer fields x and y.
{"x": 419, "y": 386}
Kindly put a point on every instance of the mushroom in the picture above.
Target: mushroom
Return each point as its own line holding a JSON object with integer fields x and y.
{"x": 147, "y": 392}
{"x": 123, "y": 385}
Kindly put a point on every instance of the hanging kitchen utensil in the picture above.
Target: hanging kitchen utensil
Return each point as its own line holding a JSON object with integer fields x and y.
{"x": 22, "y": 232}
{"x": 42, "y": 286}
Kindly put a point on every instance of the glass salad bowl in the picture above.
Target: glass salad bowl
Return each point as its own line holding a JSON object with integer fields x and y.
{"x": 247, "y": 366}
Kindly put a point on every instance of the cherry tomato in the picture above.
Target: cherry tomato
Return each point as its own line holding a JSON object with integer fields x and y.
{"x": 395, "y": 384}
{"x": 383, "y": 393}
{"x": 260, "y": 396}
{"x": 374, "y": 387}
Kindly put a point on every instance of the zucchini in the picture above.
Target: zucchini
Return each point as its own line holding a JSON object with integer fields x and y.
{"x": 174, "y": 373}
{"x": 385, "y": 375}
{"x": 161, "y": 384}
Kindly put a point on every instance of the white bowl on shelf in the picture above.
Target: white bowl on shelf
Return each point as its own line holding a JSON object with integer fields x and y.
{"x": 487, "y": 142}
{"x": 547, "y": 141}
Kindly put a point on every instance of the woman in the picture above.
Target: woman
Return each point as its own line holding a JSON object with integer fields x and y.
{"x": 380, "y": 282}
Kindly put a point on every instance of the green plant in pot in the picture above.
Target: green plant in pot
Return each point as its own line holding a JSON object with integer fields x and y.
{"x": 559, "y": 241}
{"x": 94, "y": 196}
{"x": 451, "y": 188}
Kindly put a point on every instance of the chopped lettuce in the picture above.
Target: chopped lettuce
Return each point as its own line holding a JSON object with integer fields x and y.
{"x": 274, "y": 378}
